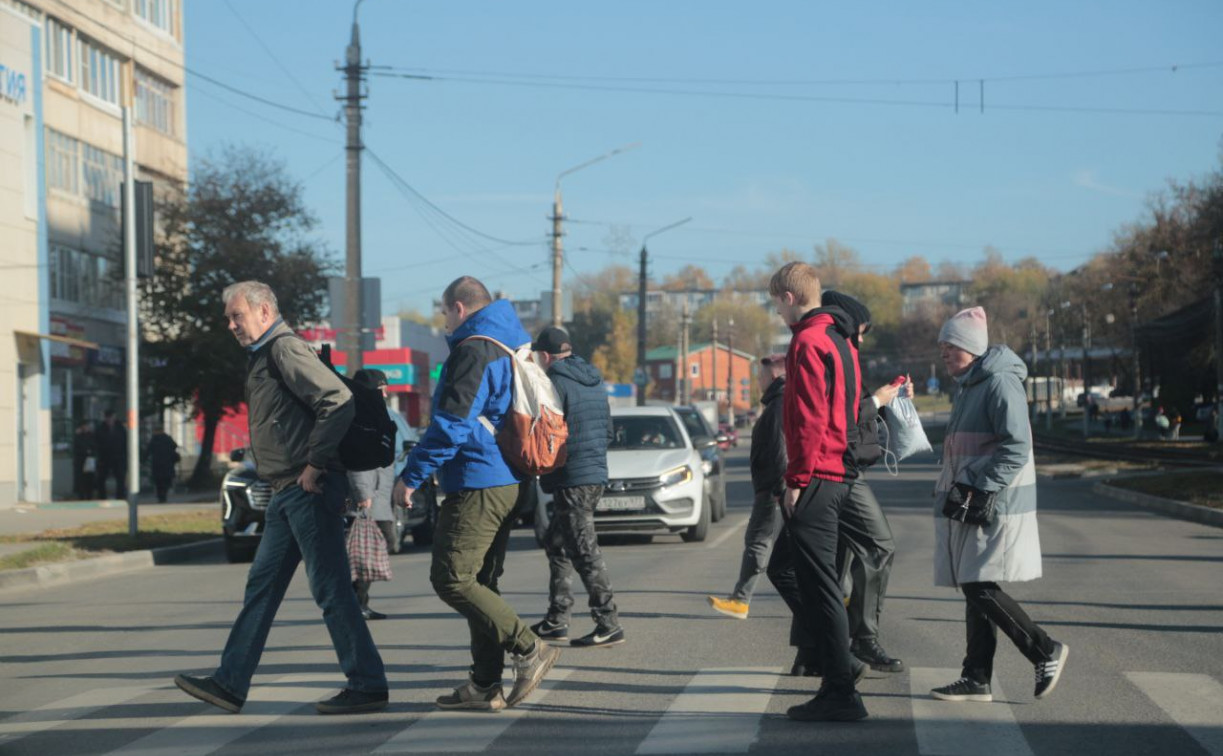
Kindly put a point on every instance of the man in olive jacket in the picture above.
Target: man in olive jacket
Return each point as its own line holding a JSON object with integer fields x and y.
{"x": 298, "y": 410}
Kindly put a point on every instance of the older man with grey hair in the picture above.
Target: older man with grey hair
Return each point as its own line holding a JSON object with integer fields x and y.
{"x": 298, "y": 411}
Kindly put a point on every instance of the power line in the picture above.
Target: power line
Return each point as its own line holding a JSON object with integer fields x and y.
{"x": 264, "y": 118}
{"x": 283, "y": 68}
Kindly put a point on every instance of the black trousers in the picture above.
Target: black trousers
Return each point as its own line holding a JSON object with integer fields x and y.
{"x": 803, "y": 569}
{"x": 988, "y": 609}
{"x": 865, "y": 554}
{"x": 571, "y": 545}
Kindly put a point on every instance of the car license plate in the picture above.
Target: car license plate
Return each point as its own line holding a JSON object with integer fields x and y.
{"x": 621, "y": 503}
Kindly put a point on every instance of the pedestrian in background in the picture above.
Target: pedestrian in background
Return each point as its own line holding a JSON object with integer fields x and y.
{"x": 570, "y": 541}
{"x": 84, "y": 460}
{"x": 110, "y": 440}
{"x": 987, "y": 454}
{"x": 371, "y": 494}
{"x": 298, "y": 411}
{"x": 473, "y": 396}
{"x": 768, "y": 467}
{"x": 162, "y": 457}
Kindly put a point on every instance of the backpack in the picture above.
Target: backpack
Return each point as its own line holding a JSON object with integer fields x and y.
{"x": 533, "y": 433}
{"x": 369, "y": 442}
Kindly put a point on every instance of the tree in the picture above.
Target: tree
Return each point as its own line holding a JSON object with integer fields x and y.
{"x": 834, "y": 261}
{"x": 915, "y": 269}
{"x": 689, "y": 277}
{"x": 242, "y": 218}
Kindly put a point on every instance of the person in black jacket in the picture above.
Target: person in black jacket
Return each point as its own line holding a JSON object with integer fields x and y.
{"x": 576, "y": 489}
{"x": 768, "y": 468}
{"x": 161, "y": 455}
{"x": 110, "y": 440}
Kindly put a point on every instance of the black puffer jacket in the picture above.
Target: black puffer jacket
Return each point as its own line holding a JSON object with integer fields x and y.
{"x": 768, "y": 456}
{"x": 588, "y": 415}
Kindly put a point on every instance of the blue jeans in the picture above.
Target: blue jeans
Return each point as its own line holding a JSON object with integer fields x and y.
{"x": 300, "y": 527}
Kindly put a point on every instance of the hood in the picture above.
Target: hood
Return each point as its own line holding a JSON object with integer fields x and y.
{"x": 577, "y": 370}
{"x": 645, "y": 463}
{"x": 825, "y": 316}
{"x": 846, "y": 324}
{"x": 774, "y": 390}
{"x": 997, "y": 360}
{"x": 498, "y": 321}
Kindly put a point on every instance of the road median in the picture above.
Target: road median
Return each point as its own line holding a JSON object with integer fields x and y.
{"x": 1200, "y": 488}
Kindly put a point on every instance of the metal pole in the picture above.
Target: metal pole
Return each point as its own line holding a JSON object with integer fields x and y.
{"x": 713, "y": 378}
{"x": 1048, "y": 372}
{"x": 641, "y": 376}
{"x": 1032, "y": 377}
{"x": 558, "y": 256}
{"x": 1086, "y": 373}
{"x": 133, "y": 325}
{"x": 349, "y": 334}
{"x": 685, "y": 320}
{"x": 1217, "y": 256}
{"x": 1137, "y": 417}
{"x": 730, "y": 373}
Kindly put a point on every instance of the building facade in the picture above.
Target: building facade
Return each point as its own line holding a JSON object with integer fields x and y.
{"x": 710, "y": 369}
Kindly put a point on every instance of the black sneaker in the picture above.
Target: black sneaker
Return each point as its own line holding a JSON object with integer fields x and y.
{"x": 602, "y": 637}
{"x": 870, "y": 652}
{"x": 859, "y": 670}
{"x": 964, "y": 690}
{"x": 350, "y": 701}
{"x": 208, "y": 690}
{"x": 827, "y": 707}
{"x": 552, "y": 632}
{"x": 529, "y": 670}
{"x": 370, "y": 614}
{"x": 1049, "y": 672}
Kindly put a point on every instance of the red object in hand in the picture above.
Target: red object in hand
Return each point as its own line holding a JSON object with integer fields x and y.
{"x": 898, "y": 381}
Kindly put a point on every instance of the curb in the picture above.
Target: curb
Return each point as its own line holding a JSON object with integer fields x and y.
{"x": 1179, "y": 509}
{"x": 110, "y": 564}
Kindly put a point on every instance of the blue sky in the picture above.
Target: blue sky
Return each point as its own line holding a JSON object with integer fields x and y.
{"x": 779, "y": 125}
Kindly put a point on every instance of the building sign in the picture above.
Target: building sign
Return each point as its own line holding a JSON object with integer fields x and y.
{"x": 67, "y": 354}
{"x": 12, "y": 85}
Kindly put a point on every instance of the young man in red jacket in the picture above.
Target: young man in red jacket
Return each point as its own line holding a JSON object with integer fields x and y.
{"x": 819, "y": 407}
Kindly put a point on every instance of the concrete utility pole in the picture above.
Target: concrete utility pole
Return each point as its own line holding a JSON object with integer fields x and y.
{"x": 348, "y": 331}
{"x": 640, "y": 376}
{"x": 713, "y": 379}
{"x": 730, "y": 373}
{"x": 685, "y": 321}
{"x": 133, "y": 324}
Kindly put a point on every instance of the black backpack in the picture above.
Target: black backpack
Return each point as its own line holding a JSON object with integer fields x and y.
{"x": 369, "y": 442}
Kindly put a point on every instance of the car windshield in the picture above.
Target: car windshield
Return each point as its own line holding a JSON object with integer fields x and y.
{"x": 645, "y": 432}
{"x": 693, "y": 422}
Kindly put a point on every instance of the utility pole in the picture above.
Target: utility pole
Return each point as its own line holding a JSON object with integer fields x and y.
{"x": 1032, "y": 376}
{"x": 1048, "y": 371}
{"x": 640, "y": 377}
{"x": 713, "y": 379}
{"x": 1137, "y": 359}
{"x": 685, "y": 321}
{"x": 730, "y": 372}
{"x": 1217, "y": 258}
{"x": 348, "y": 334}
{"x": 133, "y": 324}
{"x": 1086, "y": 372}
{"x": 558, "y": 264}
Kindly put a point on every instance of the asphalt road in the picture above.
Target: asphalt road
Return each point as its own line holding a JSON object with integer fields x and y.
{"x": 86, "y": 668}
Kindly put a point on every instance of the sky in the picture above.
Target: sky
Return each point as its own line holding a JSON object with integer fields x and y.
{"x": 772, "y": 125}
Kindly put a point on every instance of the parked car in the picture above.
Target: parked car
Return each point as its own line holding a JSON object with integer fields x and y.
{"x": 657, "y": 478}
{"x": 709, "y": 443}
{"x": 245, "y": 498}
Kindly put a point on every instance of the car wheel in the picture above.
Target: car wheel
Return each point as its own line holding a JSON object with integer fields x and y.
{"x": 697, "y": 532}
{"x": 711, "y": 501}
{"x": 238, "y": 551}
{"x": 721, "y": 489}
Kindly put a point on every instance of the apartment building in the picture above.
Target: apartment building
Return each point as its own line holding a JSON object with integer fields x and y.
{"x": 87, "y": 60}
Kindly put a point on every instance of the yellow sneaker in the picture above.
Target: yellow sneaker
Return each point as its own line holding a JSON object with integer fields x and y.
{"x": 729, "y": 607}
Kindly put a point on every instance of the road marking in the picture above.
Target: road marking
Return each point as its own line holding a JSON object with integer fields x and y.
{"x": 466, "y": 731}
{"x": 722, "y": 538}
{"x": 203, "y": 734}
{"x": 948, "y": 728}
{"x": 1193, "y": 701}
{"x": 718, "y": 712}
{"x": 62, "y": 712}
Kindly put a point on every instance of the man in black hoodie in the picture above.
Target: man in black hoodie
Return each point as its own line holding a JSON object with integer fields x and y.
{"x": 576, "y": 489}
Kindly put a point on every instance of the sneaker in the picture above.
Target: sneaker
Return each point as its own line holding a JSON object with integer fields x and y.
{"x": 208, "y": 690}
{"x": 826, "y": 707}
{"x": 370, "y": 614}
{"x": 529, "y": 670}
{"x": 729, "y": 606}
{"x": 552, "y": 632}
{"x": 600, "y": 638}
{"x": 964, "y": 690}
{"x": 472, "y": 696}
{"x": 1049, "y": 672}
{"x": 870, "y": 652}
{"x": 859, "y": 669}
{"x": 349, "y": 701}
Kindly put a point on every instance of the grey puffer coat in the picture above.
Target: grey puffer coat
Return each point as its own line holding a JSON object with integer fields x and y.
{"x": 989, "y": 446}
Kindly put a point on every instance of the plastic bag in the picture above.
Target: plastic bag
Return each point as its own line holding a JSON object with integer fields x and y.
{"x": 367, "y": 555}
{"x": 906, "y": 436}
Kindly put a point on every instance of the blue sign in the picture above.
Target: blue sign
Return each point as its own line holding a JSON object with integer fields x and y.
{"x": 620, "y": 390}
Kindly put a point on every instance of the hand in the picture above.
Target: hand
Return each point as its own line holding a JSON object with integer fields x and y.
{"x": 309, "y": 480}
{"x": 788, "y": 500}
{"x": 402, "y": 494}
{"x": 365, "y": 504}
{"x": 885, "y": 395}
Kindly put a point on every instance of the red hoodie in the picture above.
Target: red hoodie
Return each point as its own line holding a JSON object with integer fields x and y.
{"x": 821, "y": 402}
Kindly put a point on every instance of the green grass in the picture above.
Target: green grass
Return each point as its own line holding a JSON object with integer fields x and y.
{"x": 928, "y": 403}
{"x": 1204, "y": 488}
{"x": 44, "y": 553}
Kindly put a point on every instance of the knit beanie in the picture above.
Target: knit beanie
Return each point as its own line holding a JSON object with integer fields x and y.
{"x": 853, "y": 308}
{"x": 967, "y": 330}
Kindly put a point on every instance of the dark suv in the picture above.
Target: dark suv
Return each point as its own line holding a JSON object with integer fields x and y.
{"x": 245, "y": 499}
{"x": 708, "y": 442}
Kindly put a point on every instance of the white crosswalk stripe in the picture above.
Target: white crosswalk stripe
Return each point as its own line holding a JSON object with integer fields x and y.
{"x": 1193, "y": 701}
{"x": 466, "y": 731}
{"x": 718, "y": 712}
{"x": 60, "y": 713}
{"x": 946, "y": 728}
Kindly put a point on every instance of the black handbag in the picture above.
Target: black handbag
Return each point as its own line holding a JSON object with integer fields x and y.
{"x": 970, "y": 506}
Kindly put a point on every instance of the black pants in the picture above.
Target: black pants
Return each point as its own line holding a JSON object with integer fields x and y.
{"x": 989, "y": 608}
{"x": 362, "y": 586}
{"x": 571, "y": 545}
{"x": 865, "y": 554}
{"x": 116, "y": 469}
{"x": 803, "y": 568}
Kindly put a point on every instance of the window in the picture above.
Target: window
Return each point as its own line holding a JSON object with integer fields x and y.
{"x": 154, "y": 102}
{"x": 83, "y": 278}
{"x": 63, "y": 166}
{"x": 159, "y": 13}
{"x": 59, "y": 50}
{"x": 664, "y": 370}
{"x": 99, "y": 72}
{"x": 103, "y": 173}
{"x": 695, "y": 369}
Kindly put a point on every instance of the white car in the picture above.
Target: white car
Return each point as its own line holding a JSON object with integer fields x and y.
{"x": 658, "y": 482}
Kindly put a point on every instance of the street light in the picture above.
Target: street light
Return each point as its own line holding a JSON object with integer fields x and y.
{"x": 557, "y": 233}
{"x": 640, "y": 378}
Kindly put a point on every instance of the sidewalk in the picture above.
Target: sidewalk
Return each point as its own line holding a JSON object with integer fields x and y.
{"x": 35, "y": 518}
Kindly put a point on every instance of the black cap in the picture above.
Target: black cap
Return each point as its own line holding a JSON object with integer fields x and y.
{"x": 552, "y": 340}
{"x": 852, "y": 307}
{"x": 370, "y": 378}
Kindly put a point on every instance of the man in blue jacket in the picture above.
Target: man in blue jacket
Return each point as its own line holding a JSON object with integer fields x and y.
{"x": 473, "y": 396}
{"x": 576, "y": 488}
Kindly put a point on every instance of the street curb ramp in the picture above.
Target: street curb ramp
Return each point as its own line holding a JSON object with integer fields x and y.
{"x": 1179, "y": 509}
{"x": 61, "y": 573}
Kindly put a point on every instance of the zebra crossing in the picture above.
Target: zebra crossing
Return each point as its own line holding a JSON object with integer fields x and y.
{"x": 715, "y": 711}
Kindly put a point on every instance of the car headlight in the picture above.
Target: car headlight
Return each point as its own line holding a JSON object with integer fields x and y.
{"x": 707, "y": 466}
{"x": 675, "y": 477}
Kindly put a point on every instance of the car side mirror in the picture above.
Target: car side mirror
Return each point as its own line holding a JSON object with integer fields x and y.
{"x": 722, "y": 438}
{"x": 237, "y": 455}
{"x": 704, "y": 442}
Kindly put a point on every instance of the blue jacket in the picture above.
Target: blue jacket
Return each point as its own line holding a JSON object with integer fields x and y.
{"x": 476, "y": 379}
{"x": 588, "y": 415}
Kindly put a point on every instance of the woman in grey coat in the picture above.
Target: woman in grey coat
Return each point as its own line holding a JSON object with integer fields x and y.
{"x": 371, "y": 490}
{"x": 988, "y": 452}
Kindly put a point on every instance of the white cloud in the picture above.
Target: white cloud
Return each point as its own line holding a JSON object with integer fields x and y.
{"x": 1086, "y": 178}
